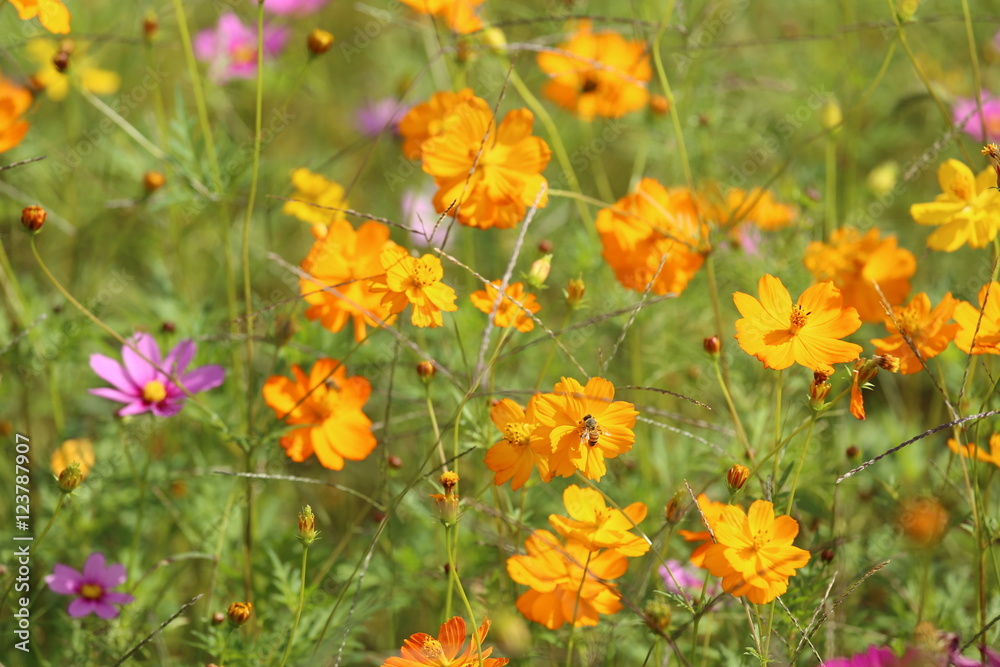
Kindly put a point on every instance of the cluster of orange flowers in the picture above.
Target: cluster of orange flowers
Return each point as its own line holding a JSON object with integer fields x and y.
{"x": 487, "y": 174}
{"x": 573, "y": 428}
{"x": 752, "y": 551}
{"x": 571, "y": 580}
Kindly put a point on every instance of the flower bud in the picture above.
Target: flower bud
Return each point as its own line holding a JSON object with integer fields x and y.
{"x": 674, "y": 511}
{"x": 887, "y": 363}
{"x": 574, "y": 292}
{"x": 853, "y": 452}
{"x": 657, "y": 614}
{"x": 239, "y": 613}
{"x": 819, "y": 390}
{"x": 539, "y": 271}
{"x": 426, "y": 371}
{"x": 449, "y": 480}
{"x": 394, "y": 462}
{"x": 737, "y": 477}
{"x": 71, "y": 477}
{"x": 153, "y": 181}
{"x": 447, "y": 504}
{"x": 659, "y": 105}
{"x": 883, "y": 178}
{"x": 307, "y": 526}
{"x": 168, "y": 327}
{"x": 712, "y": 345}
{"x": 218, "y": 618}
{"x": 61, "y": 61}
{"x": 33, "y": 218}
{"x": 494, "y": 38}
{"x": 545, "y": 246}
{"x": 831, "y": 116}
{"x": 150, "y": 25}
{"x": 319, "y": 41}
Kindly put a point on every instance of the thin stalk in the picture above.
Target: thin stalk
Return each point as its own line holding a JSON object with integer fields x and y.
{"x": 802, "y": 459}
{"x": 298, "y": 609}
{"x": 434, "y": 425}
{"x": 830, "y": 219}
{"x": 777, "y": 423}
{"x": 576, "y": 607}
{"x": 453, "y": 568}
{"x": 552, "y": 350}
{"x": 661, "y": 73}
{"x": 732, "y": 409}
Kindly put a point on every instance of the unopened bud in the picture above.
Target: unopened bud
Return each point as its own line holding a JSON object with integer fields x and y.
{"x": 819, "y": 390}
{"x": 150, "y": 25}
{"x": 539, "y": 271}
{"x": 659, "y": 105}
{"x": 674, "y": 511}
{"x": 887, "y": 363}
{"x": 831, "y": 116}
{"x": 827, "y": 555}
{"x": 218, "y": 618}
{"x": 574, "y": 292}
{"x": 449, "y": 480}
{"x": 426, "y": 370}
{"x": 61, "y": 61}
{"x": 319, "y": 41}
{"x": 239, "y": 613}
{"x": 307, "y": 526}
{"x": 853, "y": 452}
{"x": 168, "y": 327}
{"x": 657, "y": 614}
{"x": 545, "y": 246}
{"x": 737, "y": 477}
{"x": 712, "y": 345}
{"x": 33, "y": 218}
{"x": 71, "y": 477}
{"x": 494, "y": 38}
{"x": 153, "y": 180}
{"x": 394, "y": 462}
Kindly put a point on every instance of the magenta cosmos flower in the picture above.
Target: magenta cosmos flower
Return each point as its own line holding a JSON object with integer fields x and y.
{"x": 967, "y": 117}
{"x": 92, "y": 586}
{"x": 145, "y": 388}
{"x": 299, "y": 7}
{"x": 231, "y": 48}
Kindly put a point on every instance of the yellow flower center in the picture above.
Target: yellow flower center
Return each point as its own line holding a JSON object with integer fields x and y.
{"x": 909, "y": 323}
{"x": 760, "y": 540}
{"x": 432, "y": 648}
{"x": 154, "y": 392}
{"x": 797, "y": 319}
{"x": 589, "y": 83}
{"x": 244, "y": 54}
{"x": 91, "y": 591}
{"x": 517, "y": 434}
{"x": 422, "y": 275}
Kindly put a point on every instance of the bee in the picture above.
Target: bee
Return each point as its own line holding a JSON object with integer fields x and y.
{"x": 592, "y": 431}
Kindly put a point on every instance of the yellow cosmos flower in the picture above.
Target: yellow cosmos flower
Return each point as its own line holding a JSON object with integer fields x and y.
{"x": 14, "y": 101}
{"x": 313, "y": 188}
{"x": 80, "y": 450}
{"x": 508, "y": 313}
{"x": 596, "y": 526}
{"x": 52, "y": 13}
{"x": 459, "y": 15}
{"x": 972, "y": 450}
{"x": 429, "y": 119}
{"x": 986, "y": 328}
{"x": 56, "y": 84}
{"x": 414, "y": 281}
{"x": 780, "y": 333}
{"x": 584, "y": 426}
{"x": 966, "y": 211}
{"x": 754, "y": 553}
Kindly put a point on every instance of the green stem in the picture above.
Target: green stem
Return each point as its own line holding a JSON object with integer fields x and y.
{"x": 802, "y": 459}
{"x": 434, "y": 425}
{"x": 830, "y": 220}
{"x": 298, "y": 609}
{"x": 552, "y": 350}
{"x": 661, "y": 73}
{"x": 732, "y": 410}
{"x": 777, "y": 424}
{"x": 453, "y": 568}
{"x": 576, "y": 607}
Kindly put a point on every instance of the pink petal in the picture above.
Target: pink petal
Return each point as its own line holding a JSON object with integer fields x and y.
{"x": 119, "y": 598}
{"x": 167, "y": 408}
{"x": 111, "y": 371}
{"x": 140, "y": 370}
{"x": 179, "y": 358}
{"x": 205, "y": 45}
{"x": 136, "y": 408}
{"x": 114, "y": 394}
{"x": 93, "y": 569}
{"x": 203, "y": 378}
{"x": 80, "y": 607}
{"x": 64, "y": 580}
{"x": 114, "y": 575}
{"x": 104, "y": 609}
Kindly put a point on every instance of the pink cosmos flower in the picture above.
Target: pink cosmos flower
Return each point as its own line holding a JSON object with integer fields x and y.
{"x": 92, "y": 586}
{"x": 142, "y": 387}
{"x": 966, "y": 116}
{"x": 374, "y": 116}
{"x": 421, "y": 217}
{"x": 231, "y": 48}
{"x": 690, "y": 579}
{"x": 298, "y": 7}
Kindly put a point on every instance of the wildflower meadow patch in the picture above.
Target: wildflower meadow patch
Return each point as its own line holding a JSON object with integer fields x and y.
{"x": 469, "y": 333}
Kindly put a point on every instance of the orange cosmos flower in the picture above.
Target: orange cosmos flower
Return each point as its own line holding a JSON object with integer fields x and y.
{"x": 757, "y": 207}
{"x": 14, "y": 101}
{"x": 601, "y": 74}
{"x": 808, "y": 333}
{"x": 596, "y": 526}
{"x": 644, "y": 227}
{"x": 80, "y": 450}
{"x": 584, "y": 426}
{"x": 714, "y": 513}
{"x": 328, "y": 406}
{"x": 561, "y": 587}
{"x": 459, "y": 15}
{"x": 345, "y": 260}
{"x": 430, "y": 118}
{"x": 986, "y": 327}
{"x": 923, "y": 520}
{"x": 754, "y": 553}
{"x": 52, "y": 13}
{"x": 865, "y": 370}
{"x": 971, "y": 450}
{"x": 409, "y": 280}
{"x": 966, "y": 211}
{"x": 856, "y": 264}
{"x": 491, "y": 173}
{"x": 508, "y": 312}
{"x": 422, "y": 650}
{"x": 927, "y": 330}
{"x": 514, "y": 457}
